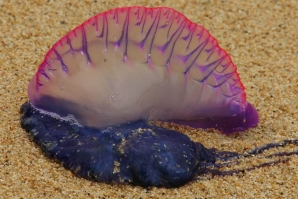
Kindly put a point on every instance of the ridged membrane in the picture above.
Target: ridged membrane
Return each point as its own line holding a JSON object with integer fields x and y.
{"x": 136, "y": 63}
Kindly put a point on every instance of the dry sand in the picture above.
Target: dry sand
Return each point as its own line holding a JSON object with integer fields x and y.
{"x": 262, "y": 39}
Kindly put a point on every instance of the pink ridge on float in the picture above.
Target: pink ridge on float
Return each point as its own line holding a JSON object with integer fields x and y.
{"x": 138, "y": 63}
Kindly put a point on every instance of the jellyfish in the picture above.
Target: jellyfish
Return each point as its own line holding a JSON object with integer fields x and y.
{"x": 94, "y": 97}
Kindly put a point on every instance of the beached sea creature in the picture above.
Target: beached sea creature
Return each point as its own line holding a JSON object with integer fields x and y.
{"x": 98, "y": 86}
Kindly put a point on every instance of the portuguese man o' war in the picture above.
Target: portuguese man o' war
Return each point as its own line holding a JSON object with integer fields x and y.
{"x": 91, "y": 99}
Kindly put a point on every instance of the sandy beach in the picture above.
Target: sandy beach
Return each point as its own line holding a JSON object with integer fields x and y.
{"x": 261, "y": 38}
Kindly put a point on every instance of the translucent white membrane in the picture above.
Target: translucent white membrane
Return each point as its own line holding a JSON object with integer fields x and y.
{"x": 137, "y": 63}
